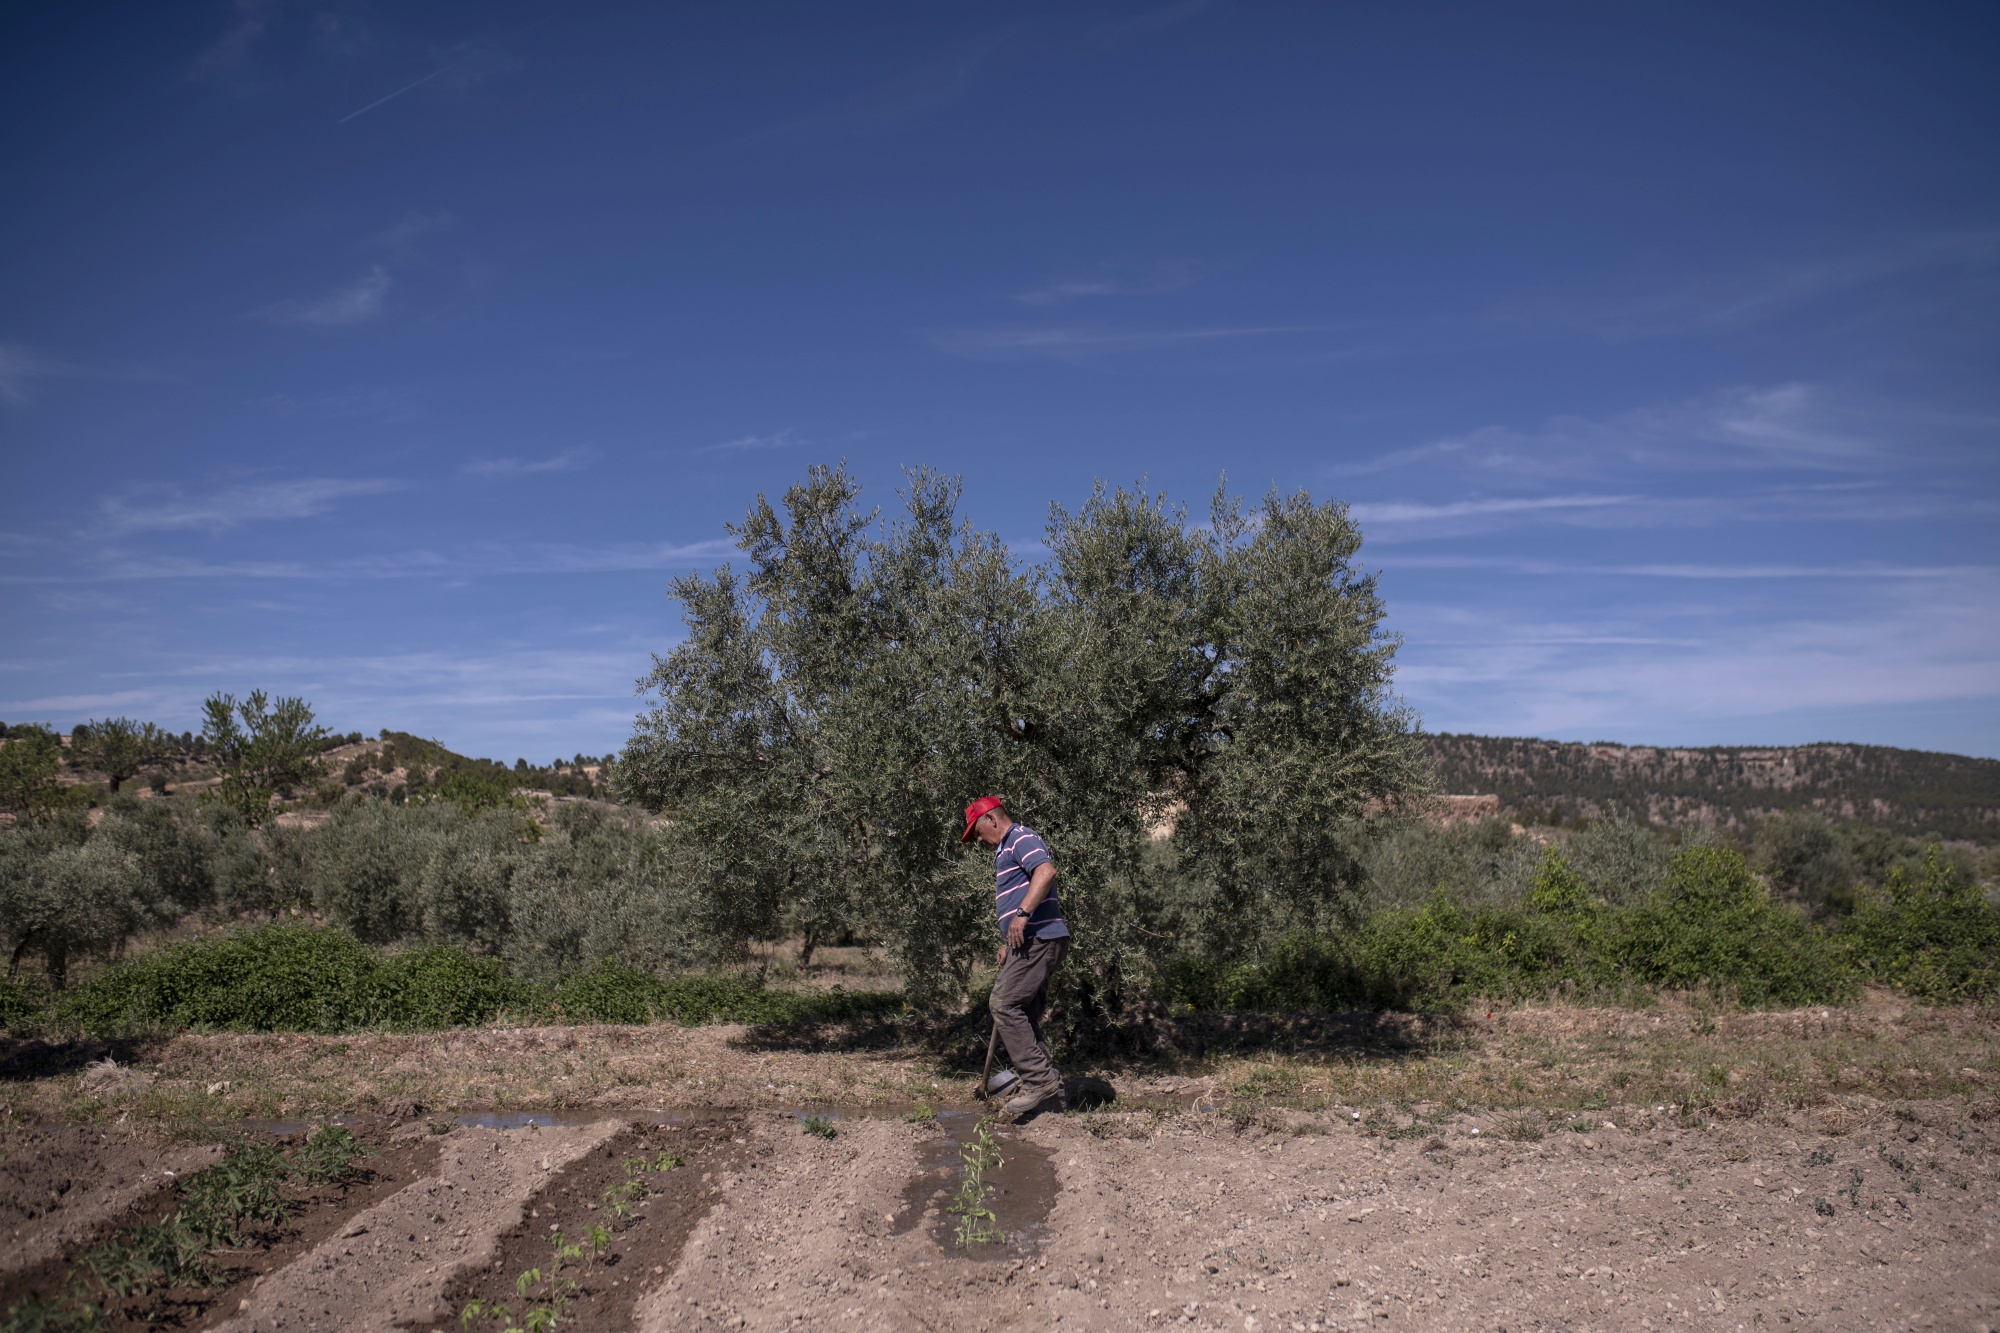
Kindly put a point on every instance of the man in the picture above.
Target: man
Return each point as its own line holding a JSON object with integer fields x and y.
{"x": 1034, "y": 940}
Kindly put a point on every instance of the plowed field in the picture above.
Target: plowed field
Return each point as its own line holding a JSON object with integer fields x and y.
{"x": 1228, "y": 1194}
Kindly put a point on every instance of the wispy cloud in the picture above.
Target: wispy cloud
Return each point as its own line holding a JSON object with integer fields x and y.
{"x": 462, "y": 563}
{"x": 569, "y": 460}
{"x": 778, "y": 439}
{"x": 21, "y": 369}
{"x": 1162, "y": 278}
{"x": 233, "y": 47}
{"x": 1930, "y": 269}
{"x": 1077, "y": 343}
{"x": 1750, "y": 571}
{"x": 1149, "y": 21}
{"x": 1793, "y": 425}
{"x": 1421, "y": 513}
{"x": 356, "y": 302}
{"x": 170, "y": 511}
{"x": 1508, "y": 670}
{"x": 936, "y": 81}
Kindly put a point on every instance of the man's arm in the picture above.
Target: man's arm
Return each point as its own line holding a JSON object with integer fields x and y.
{"x": 1039, "y": 885}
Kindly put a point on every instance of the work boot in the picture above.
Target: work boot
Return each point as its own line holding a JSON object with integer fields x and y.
{"x": 1031, "y": 1103}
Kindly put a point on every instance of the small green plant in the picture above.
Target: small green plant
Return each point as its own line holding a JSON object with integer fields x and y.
{"x": 1853, "y": 1190}
{"x": 622, "y": 1200}
{"x": 551, "y": 1290}
{"x": 819, "y": 1126}
{"x": 1822, "y": 1207}
{"x": 35, "y": 1315}
{"x": 978, "y": 1224}
{"x": 1821, "y": 1156}
{"x": 1682, "y": 1182}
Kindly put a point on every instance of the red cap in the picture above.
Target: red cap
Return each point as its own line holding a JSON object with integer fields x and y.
{"x": 974, "y": 811}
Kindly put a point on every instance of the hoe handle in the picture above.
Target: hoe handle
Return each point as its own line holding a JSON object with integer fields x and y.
{"x": 986, "y": 1074}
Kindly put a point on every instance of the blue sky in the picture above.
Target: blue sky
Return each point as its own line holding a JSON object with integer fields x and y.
{"x": 399, "y": 355}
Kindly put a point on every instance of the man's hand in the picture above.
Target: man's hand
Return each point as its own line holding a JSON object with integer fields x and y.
{"x": 1017, "y": 932}
{"x": 1001, "y": 961}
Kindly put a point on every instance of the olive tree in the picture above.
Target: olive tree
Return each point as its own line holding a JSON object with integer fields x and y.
{"x": 64, "y": 894}
{"x": 118, "y": 747}
{"x": 834, "y": 705}
{"x": 30, "y": 758}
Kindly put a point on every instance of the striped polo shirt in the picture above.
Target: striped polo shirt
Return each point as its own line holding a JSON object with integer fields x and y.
{"x": 1014, "y": 862}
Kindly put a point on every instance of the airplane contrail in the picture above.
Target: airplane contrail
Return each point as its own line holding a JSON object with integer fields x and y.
{"x": 405, "y": 88}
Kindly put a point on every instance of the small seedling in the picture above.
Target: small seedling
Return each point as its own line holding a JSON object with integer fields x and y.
{"x": 1820, "y": 1157}
{"x": 1822, "y": 1207}
{"x": 553, "y": 1290}
{"x": 978, "y": 1224}
{"x": 622, "y": 1201}
{"x": 819, "y": 1126}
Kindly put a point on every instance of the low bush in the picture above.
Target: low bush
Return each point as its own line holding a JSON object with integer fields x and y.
{"x": 300, "y": 978}
{"x": 1934, "y": 935}
{"x": 293, "y": 978}
{"x": 1710, "y": 924}
{"x": 1714, "y": 924}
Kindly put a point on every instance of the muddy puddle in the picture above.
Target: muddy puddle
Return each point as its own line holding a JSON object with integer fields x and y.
{"x": 1024, "y": 1190}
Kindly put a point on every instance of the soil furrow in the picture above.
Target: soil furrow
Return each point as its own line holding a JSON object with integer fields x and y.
{"x": 645, "y": 1244}
{"x": 392, "y": 1264}
{"x": 393, "y": 1161}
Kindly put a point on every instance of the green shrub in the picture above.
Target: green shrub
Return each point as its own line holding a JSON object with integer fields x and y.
{"x": 14, "y": 1004}
{"x": 1935, "y": 936}
{"x": 1715, "y": 924}
{"x": 439, "y": 988}
{"x": 296, "y": 979}
{"x": 277, "y": 978}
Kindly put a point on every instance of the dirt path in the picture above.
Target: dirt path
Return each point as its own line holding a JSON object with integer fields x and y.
{"x": 391, "y": 1264}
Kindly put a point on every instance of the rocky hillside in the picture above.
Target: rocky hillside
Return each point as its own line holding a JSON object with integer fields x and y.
{"x": 1918, "y": 793}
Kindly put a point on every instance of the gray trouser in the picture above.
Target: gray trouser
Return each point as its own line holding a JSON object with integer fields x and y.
{"x": 1020, "y": 994}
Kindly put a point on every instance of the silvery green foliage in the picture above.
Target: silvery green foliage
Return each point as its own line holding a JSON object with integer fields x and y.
{"x": 362, "y": 868}
{"x": 1622, "y": 862}
{"x": 1807, "y": 861}
{"x": 600, "y": 885}
{"x": 62, "y": 899}
{"x": 176, "y": 852}
{"x": 463, "y": 893}
{"x": 836, "y": 704}
{"x": 1403, "y": 863}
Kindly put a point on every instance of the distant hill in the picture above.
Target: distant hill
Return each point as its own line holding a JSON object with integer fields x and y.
{"x": 1917, "y": 793}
